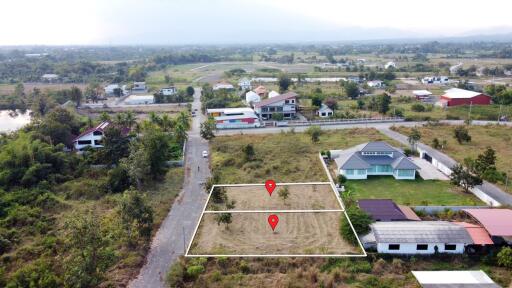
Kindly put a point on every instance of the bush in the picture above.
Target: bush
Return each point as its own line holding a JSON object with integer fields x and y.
{"x": 417, "y": 107}
{"x": 505, "y": 257}
{"x": 194, "y": 271}
{"x": 37, "y": 274}
{"x": 118, "y": 180}
{"x": 341, "y": 179}
{"x": 176, "y": 275}
{"x": 361, "y": 222}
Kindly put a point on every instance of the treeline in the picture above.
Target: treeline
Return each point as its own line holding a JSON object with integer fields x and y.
{"x": 68, "y": 219}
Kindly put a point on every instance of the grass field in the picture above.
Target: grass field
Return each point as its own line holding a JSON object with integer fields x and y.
{"x": 497, "y": 137}
{"x": 301, "y": 197}
{"x": 250, "y": 234}
{"x": 411, "y": 192}
{"x": 284, "y": 157}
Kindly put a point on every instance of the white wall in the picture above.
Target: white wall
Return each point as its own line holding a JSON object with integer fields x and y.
{"x": 90, "y": 137}
{"x": 410, "y": 248}
{"x": 353, "y": 176}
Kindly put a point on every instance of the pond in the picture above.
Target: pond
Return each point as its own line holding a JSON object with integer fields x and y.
{"x": 11, "y": 120}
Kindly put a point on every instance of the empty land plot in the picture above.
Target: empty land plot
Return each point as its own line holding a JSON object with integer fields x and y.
{"x": 300, "y": 197}
{"x": 298, "y": 233}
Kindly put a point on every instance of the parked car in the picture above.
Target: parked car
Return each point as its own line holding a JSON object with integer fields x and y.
{"x": 205, "y": 154}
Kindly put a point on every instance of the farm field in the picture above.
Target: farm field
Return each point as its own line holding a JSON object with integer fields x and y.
{"x": 283, "y": 157}
{"x": 301, "y": 197}
{"x": 411, "y": 192}
{"x": 250, "y": 234}
{"x": 495, "y": 136}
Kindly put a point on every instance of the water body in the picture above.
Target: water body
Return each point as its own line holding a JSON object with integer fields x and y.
{"x": 13, "y": 120}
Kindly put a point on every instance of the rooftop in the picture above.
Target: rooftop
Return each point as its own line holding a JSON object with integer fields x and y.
{"x": 381, "y": 209}
{"x": 460, "y": 93}
{"x": 420, "y": 232}
{"x": 477, "y": 233}
{"x": 497, "y": 222}
{"x": 275, "y": 99}
{"x": 454, "y": 279}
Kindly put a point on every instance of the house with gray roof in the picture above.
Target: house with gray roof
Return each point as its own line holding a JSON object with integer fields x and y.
{"x": 418, "y": 237}
{"x": 374, "y": 158}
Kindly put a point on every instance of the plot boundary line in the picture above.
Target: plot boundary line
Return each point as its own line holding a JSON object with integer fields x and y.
{"x": 272, "y": 211}
{"x": 364, "y": 254}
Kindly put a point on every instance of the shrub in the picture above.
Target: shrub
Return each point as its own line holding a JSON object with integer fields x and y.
{"x": 244, "y": 267}
{"x": 342, "y": 179}
{"x": 417, "y": 107}
{"x": 118, "y": 180}
{"x": 361, "y": 222}
{"x": 176, "y": 275}
{"x": 194, "y": 271}
{"x": 37, "y": 274}
{"x": 505, "y": 257}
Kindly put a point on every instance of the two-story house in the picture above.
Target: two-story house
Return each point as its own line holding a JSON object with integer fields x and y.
{"x": 285, "y": 104}
{"x": 374, "y": 158}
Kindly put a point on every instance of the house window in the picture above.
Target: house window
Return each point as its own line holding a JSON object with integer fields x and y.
{"x": 361, "y": 172}
{"x": 286, "y": 101}
{"x": 84, "y": 142}
{"x": 292, "y": 101}
{"x": 323, "y": 114}
{"x": 271, "y": 109}
{"x": 422, "y": 247}
{"x": 394, "y": 247}
{"x": 450, "y": 247}
{"x": 97, "y": 133}
{"x": 279, "y": 109}
{"x": 264, "y": 109}
{"x": 405, "y": 173}
{"x": 97, "y": 142}
{"x": 349, "y": 172}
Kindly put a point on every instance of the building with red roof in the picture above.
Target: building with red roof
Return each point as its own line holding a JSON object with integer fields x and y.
{"x": 457, "y": 97}
{"x": 497, "y": 222}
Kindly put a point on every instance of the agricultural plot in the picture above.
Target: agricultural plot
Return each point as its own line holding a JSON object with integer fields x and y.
{"x": 308, "y": 224}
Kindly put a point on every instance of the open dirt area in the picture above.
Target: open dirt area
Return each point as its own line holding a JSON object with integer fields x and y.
{"x": 301, "y": 233}
{"x": 301, "y": 197}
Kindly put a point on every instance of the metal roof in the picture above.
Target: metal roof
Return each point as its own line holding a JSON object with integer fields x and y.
{"x": 460, "y": 93}
{"x": 404, "y": 163}
{"x": 420, "y": 232}
{"x": 381, "y": 209}
{"x": 409, "y": 213}
{"x": 496, "y": 221}
{"x": 276, "y": 99}
{"x": 378, "y": 146}
{"x": 355, "y": 162}
{"x": 477, "y": 233}
{"x": 454, "y": 279}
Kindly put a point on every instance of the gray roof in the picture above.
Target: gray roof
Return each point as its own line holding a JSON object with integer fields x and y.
{"x": 352, "y": 158}
{"x": 355, "y": 162}
{"x": 404, "y": 163}
{"x": 378, "y": 146}
{"x": 420, "y": 232}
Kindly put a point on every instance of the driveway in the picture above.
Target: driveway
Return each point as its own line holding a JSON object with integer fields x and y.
{"x": 428, "y": 171}
{"x": 177, "y": 228}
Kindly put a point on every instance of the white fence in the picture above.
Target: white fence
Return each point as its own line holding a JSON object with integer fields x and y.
{"x": 336, "y": 121}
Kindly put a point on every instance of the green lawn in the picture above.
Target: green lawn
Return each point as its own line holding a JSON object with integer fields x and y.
{"x": 407, "y": 192}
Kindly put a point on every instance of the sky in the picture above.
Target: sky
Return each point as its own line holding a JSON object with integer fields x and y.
{"x": 176, "y": 22}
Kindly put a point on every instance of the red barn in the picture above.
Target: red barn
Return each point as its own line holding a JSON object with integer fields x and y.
{"x": 456, "y": 97}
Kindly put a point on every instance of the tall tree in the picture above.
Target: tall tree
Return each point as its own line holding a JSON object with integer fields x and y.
{"x": 351, "y": 90}
{"x": 207, "y": 128}
{"x": 136, "y": 214}
{"x": 76, "y": 95}
{"x": 284, "y": 82}
{"x": 414, "y": 138}
{"x": 462, "y": 177}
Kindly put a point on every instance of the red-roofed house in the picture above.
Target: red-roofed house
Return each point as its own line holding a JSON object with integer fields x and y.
{"x": 497, "y": 222}
{"x": 91, "y": 137}
{"x": 285, "y": 104}
{"x": 477, "y": 233}
{"x": 456, "y": 97}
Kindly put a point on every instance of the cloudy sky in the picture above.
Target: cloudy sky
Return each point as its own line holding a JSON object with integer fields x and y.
{"x": 61, "y": 22}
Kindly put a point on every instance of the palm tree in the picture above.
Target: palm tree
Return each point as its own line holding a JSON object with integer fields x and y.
{"x": 180, "y": 133}
{"x": 184, "y": 119}
{"x": 154, "y": 118}
{"x": 129, "y": 119}
{"x": 167, "y": 123}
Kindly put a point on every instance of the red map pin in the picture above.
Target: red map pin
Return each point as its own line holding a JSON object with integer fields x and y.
{"x": 273, "y": 220}
{"x": 270, "y": 185}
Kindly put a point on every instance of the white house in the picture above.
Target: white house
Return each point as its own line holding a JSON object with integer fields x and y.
{"x": 223, "y": 85}
{"x": 168, "y": 91}
{"x": 139, "y": 100}
{"x": 91, "y": 137}
{"x": 375, "y": 84}
{"x": 50, "y": 77}
{"x": 110, "y": 89}
{"x": 229, "y": 118}
{"x": 374, "y": 158}
{"x": 273, "y": 94}
{"x": 418, "y": 237}
{"x": 439, "y": 80}
{"x": 285, "y": 104}
{"x": 245, "y": 84}
{"x": 390, "y": 64}
{"x": 139, "y": 87}
{"x": 251, "y": 97}
{"x": 324, "y": 111}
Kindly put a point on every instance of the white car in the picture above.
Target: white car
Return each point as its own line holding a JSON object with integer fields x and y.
{"x": 205, "y": 154}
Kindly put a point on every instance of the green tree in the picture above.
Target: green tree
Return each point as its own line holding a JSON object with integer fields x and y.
{"x": 277, "y": 116}
{"x": 116, "y": 145}
{"x": 351, "y": 90}
{"x": 314, "y": 132}
{"x": 219, "y": 195}
{"x": 207, "y": 128}
{"x": 90, "y": 255}
{"x": 485, "y": 161}
{"x": 505, "y": 257}
{"x": 249, "y": 152}
{"x": 136, "y": 215}
{"x": 316, "y": 101}
{"x": 462, "y": 177}
{"x": 284, "y": 82}
{"x": 461, "y": 134}
{"x": 436, "y": 143}
{"x": 36, "y": 274}
{"x": 136, "y": 164}
{"x": 223, "y": 218}
{"x": 284, "y": 193}
{"x": 384, "y": 100}
{"x": 414, "y": 138}
{"x": 76, "y": 95}
{"x": 190, "y": 91}
{"x": 360, "y": 221}
{"x": 156, "y": 146}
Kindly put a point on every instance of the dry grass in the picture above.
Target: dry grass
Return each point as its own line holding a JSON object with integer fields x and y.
{"x": 250, "y": 233}
{"x": 301, "y": 197}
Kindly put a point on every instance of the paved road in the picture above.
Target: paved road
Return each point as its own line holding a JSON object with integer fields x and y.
{"x": 387, "y": 125}
{"x": 177, "y": 228}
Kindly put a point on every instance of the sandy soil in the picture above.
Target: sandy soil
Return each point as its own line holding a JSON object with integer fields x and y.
{"x": 301, "y": 197}
{"x": 250, "y": 234}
